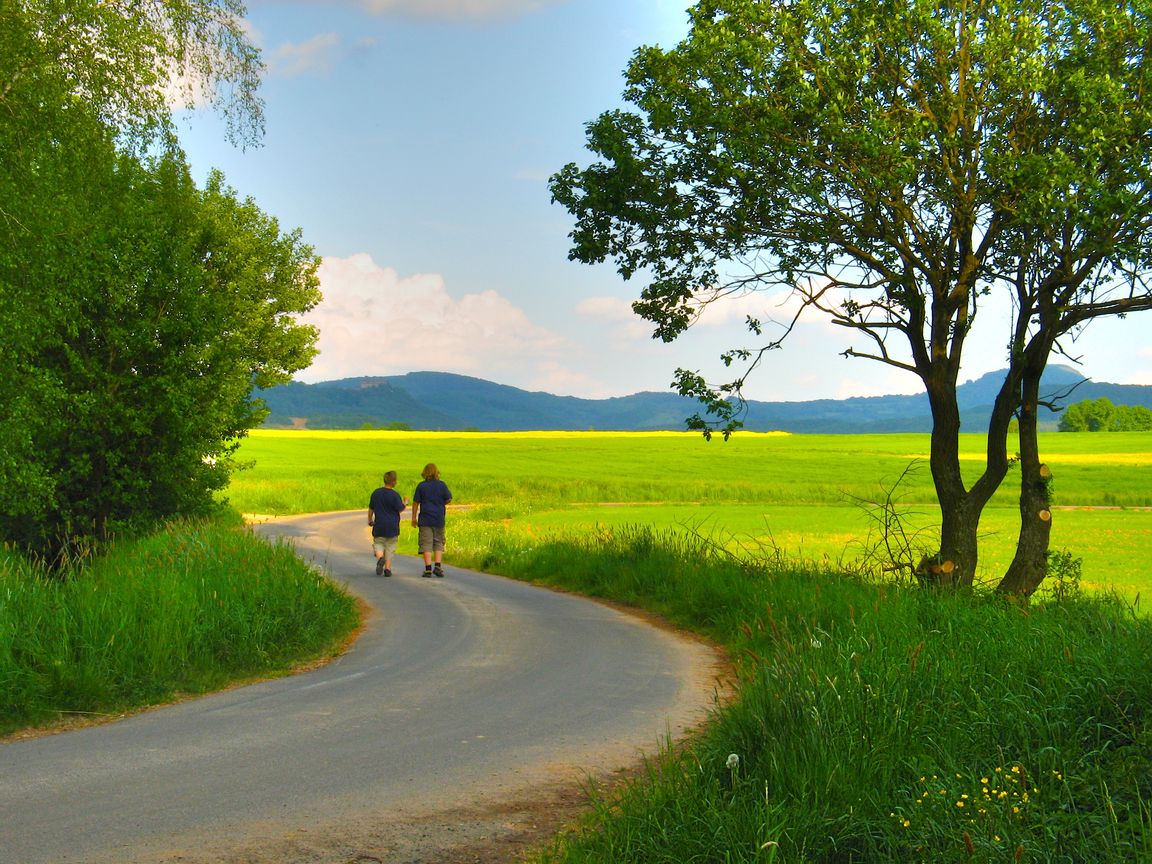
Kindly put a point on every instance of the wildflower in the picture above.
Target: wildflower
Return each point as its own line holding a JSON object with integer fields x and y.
{"x": 733, "y": 762}
{"x": 816, "y": 643}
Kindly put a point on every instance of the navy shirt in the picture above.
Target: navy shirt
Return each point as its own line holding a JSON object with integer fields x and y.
{"x": 433, "y": 497}
{"x": 386, "y": 506}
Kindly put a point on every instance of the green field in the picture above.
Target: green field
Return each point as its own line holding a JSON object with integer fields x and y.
{"x": 867, "y": 723}
{"x": 799, "y": 495}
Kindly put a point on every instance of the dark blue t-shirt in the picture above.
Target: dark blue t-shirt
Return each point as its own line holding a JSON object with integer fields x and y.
{"x": 386, "y": 506}
{"x": 433, "y": 497}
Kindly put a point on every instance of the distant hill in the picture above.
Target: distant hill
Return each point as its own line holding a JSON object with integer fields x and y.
{"x": 443, "y": 401}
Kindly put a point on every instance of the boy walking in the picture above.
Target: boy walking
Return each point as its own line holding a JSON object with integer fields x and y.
{"x": 384, "y": 509}
{"x": 429, "y": 509}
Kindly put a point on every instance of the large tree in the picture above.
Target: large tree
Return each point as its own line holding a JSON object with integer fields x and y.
{"x": 142, "y": 311}
{"x": 896, "y": 164}
{"x": 138, "y": 310}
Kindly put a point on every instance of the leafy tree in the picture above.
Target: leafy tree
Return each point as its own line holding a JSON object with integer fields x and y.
{"x": 893, "y": 164}
{"x": 138, "y": 310}
{"x": 167, "y": 304}
{"x": 1100, "y": 415}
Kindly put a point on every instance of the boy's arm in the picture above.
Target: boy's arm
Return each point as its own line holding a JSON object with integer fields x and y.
{"x": 415, "y": 512}
{"x": 371, "y": 516}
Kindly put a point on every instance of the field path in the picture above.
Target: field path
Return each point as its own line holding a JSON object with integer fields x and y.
{"x": 469, "y": 710}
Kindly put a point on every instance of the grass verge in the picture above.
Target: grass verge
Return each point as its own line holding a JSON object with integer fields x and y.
{"x": 190, "y": 609}
{"x": 872, "y": 723}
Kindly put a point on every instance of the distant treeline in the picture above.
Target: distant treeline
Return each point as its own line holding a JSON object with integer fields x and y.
{"x": 1100, "y": 415}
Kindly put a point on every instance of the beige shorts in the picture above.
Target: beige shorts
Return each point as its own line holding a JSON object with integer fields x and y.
{"x": 385, "y": 545}
{"x": 431, "y": 539}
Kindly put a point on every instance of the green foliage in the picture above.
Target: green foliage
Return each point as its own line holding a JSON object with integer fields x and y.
{"x": 159, "y": 305}
{"x": 138, "y": 310}
{"x": 913, "y": 152}
{"x": 187, "y": 609}
{"x": 1100, "y": 415}
{"x": 126, "y": 62}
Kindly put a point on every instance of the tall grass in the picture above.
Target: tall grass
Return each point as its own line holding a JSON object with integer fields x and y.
{"x": 186, "y": 610}
{"x": 871, "y": 723}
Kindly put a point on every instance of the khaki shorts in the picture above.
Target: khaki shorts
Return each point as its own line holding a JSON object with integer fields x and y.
{"x": 431, "y": 539}
{"x": 385, "y": 545}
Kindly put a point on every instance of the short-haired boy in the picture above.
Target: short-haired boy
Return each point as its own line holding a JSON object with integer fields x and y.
{"x": 384, "y": 509}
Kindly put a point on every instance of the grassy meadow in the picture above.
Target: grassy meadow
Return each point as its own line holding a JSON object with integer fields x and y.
{"x": 870, "y": 722}
{"x": 804, "y": 496}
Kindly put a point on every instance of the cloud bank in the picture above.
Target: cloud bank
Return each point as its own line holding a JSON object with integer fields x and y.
{"x": 373, "y": 321}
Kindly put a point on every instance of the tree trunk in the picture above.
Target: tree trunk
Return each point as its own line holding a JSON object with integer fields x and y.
{"x": 1030, "y": 564}
{"x": 955, "y": 564}
{"x": 961, "y": 508}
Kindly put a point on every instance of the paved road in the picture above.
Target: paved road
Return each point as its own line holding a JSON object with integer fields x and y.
{"x": 460, "y": 690}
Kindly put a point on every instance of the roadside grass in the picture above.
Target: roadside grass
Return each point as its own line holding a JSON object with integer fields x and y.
{"x": 870, "y": 722}
{"x": 187, "y": 610}
{"x": 1112, "y": 543}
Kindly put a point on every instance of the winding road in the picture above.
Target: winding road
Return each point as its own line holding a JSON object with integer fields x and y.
{"x": 460, "y": 692}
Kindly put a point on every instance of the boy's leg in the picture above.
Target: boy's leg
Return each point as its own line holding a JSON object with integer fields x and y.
{"x": 438, "y": 551}
{"x": 390, "y": 544}
{"x": 426, "y": 544}
{"x": 378, "y": 551}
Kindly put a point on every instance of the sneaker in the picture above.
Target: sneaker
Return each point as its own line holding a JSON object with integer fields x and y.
{"x": 379, "y": 566}
{"x": 387, "y": 572}
{"x": 438, "y": 570}
{"x": 428, "y": 573}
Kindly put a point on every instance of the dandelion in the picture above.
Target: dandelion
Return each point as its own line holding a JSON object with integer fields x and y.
{"x": 733, "y": 762}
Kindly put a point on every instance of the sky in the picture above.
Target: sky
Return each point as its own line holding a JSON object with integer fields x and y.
{"x": 411, "y": 142}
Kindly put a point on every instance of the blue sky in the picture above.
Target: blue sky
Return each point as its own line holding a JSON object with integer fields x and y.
{"x": 411, "y": 141}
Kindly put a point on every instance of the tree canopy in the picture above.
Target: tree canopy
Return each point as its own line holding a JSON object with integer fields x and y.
{"x": 896, "y": 165}
{"x": 130, "y": 61}
{"x": 138, "y": 310}
{"x": 1100, "y": 415}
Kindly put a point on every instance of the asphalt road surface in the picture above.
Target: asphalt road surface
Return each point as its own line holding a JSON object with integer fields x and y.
{"x": 460, "y": 692}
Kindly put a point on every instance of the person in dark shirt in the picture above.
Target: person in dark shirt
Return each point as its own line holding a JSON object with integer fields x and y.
{"x": 384, "y": 509}
{"x": 429, "y": 510}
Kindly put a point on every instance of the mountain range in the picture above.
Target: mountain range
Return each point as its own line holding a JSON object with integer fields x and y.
{"x": 448, "y": 402}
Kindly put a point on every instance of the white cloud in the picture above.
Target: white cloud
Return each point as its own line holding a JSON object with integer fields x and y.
{"x": 297, "y": 58}
{"x": 373, "y": 321}
{"x": 614, "y": 317}
{"x": 609, "y": 308}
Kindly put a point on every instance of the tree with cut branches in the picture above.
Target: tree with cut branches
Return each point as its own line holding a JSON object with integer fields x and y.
{"x": 897, "y": 165}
